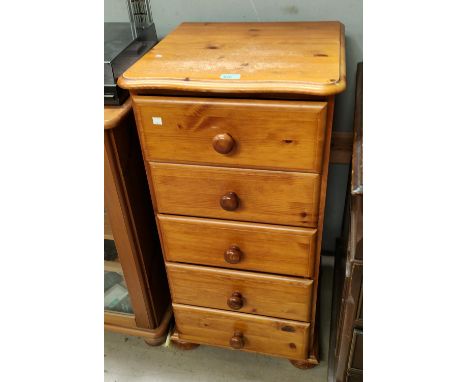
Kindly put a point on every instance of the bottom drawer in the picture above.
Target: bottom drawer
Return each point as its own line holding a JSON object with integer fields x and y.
{"x": 248, "y": 332}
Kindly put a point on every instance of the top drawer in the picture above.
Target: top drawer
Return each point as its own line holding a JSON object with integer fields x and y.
{"x": 238, "y": 133}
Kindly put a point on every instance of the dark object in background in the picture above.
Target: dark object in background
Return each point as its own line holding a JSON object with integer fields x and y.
{"x": 124, "y": 44}
{"x": 346, "y": 340}
{"x": 110, "y": 252}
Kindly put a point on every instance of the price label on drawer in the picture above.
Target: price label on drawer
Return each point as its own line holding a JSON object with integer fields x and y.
{"x": 230, "y": 76}
{"x": 157, "y": 121}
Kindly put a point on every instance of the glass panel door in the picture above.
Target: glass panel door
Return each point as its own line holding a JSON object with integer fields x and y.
{"x": 116, "y": 297}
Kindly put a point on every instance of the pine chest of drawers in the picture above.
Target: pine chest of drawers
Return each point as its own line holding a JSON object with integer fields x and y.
{"x": 235, "y": 121}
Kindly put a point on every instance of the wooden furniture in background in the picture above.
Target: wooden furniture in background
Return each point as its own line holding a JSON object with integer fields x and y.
{"x": 235, "y": 124}
{"x": 130, "y": 231}
{"x": 346, "y": 361}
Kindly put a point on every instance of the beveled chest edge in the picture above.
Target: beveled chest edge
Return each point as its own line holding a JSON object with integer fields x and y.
{"x": 294, "y": 88}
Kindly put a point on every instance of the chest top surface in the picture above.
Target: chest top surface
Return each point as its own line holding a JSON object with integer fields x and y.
{"x": 261, "y": 57}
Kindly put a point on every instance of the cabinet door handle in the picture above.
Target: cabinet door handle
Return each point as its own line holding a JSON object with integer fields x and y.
{"x": 223, "y": 143}
{"x": 235, "y": 301}
{"x": 237, "y": 340}
{"x": 233, "y": 255}
{"x": 229, "y": 201}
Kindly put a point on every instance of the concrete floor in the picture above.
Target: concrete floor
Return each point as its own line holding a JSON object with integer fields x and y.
{"x": 130, "y": 359}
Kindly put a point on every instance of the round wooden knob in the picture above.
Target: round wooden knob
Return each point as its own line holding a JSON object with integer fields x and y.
{"x": 237, "y": 340}
{"x": 233, "y": 254}
{"x": 229, "y": 201}
{"x": 235, "y": 301}
{"x": 223, "y": 143}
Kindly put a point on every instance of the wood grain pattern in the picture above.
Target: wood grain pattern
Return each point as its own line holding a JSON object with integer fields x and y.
{"x": 305, "y": 58}
{"x": 118, "y": 319}
{"x": 276, "y": 197}
{"x": 260, "y": 334}
{"x": 266, "y": 134}
{"x": 265, "y": 248}
{"x": 267, "y": 295}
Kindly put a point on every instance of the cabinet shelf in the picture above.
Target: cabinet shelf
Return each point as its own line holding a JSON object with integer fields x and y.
{"x": 113, "y": 266}
{"x": 107, "y": 228}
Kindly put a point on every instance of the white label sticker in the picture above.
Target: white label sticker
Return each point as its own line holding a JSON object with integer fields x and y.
{"x": 157, "y": 121}
{"x": 230, "y": 76}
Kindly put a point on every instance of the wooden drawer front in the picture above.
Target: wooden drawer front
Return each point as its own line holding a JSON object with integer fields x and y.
{"x": 249, "y": 292}
{"x": 259, "y": 334}
{"x": 247, "y": 246}
{"x": 268, "y": 134}
{"x": 276, "y": 197}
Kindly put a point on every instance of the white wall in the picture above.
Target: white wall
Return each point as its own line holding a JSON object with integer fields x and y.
{"x": 115, "y": 11}
{"x": 168, "y": 14}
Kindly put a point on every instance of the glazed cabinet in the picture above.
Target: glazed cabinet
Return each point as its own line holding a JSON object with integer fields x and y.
{"x": 136, "y": 297}
{"x": 235, "y": 122}
{"x": 347, "y": 338}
